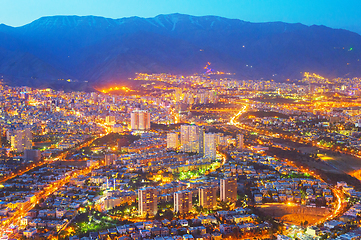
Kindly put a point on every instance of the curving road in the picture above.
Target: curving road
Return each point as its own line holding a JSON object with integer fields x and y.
{"x": 340, "y": 203}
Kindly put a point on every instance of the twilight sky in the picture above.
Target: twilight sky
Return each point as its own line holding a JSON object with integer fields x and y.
{"x": 332, "y": 13}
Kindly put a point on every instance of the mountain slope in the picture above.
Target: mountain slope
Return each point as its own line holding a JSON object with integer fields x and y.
{"x": 99, "y": 50}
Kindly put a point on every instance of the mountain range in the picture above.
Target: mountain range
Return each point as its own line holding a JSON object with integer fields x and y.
{"x": 100, "y": 50}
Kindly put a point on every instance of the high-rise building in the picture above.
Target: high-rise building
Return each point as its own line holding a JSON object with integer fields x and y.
{"x": 240, "y": 141}
{"x": 172, "y": 140}
{"x": 207, "y": 197}
{"x": 219, "y": 137}
{"x": 27, "y": 139}
{"x": 210, "y": 146}
{"x": 109, "y": 159}
{"x": 183, "y": 201}
{"x": 184, "y": 138}
{"x": 190, "y": 138}
{"x": 201, "y": 141}
{"x": 147, "y": 201}
{"x": 134, "y": 120}
{"x": 16, "y": 141}
{"x": 228, "y": 189}
{"x": 21, "y": 140}
{"x": 140, "y": 120}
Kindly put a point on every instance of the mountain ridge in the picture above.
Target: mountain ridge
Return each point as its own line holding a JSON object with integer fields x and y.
{"x": 105, "y": 50}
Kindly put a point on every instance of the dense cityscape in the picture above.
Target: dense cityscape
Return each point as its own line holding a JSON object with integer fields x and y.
{"x": 183, "y": 157}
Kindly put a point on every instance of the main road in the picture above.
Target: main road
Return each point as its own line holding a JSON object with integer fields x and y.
{"x": 21, "y": 212}
{"x": 45, "y": 161}
{"x": 48, "y": 190}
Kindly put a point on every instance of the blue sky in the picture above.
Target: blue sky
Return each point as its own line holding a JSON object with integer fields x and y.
{"x": 337, "y": 14}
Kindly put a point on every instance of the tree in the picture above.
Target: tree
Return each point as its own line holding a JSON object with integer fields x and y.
{"x": 168, "y": 214}
{"x": 157, "y": 216}
{"x": 224, "y": 205}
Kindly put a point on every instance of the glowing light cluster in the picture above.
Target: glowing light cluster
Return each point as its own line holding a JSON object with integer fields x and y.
{"x": 116, "y": 88}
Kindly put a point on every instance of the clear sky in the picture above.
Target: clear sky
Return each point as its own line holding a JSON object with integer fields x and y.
{"x": 332, "y": 13}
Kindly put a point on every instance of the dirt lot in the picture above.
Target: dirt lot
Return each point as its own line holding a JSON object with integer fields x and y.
{"x": 343, "y": 162}
{"x": 333, "y": 162}
{"x": 294, "y": 214}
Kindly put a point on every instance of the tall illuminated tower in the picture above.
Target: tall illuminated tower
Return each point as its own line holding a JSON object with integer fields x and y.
{"x": 140, "y": 120}
{"x": 228, "y": 189}
{"x": 240, "y": 141}
{"x": 21, "y": 140}
{"x": 210, "y": 146}
{"x": 190, "y": 138}
{"x": 207, "y": 197}
{"x": 148, "y": 201}
{"x": 172, "y": 140}
{"x": 183, "y": 201}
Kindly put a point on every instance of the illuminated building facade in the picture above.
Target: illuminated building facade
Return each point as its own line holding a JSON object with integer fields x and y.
{"x": 21, "y": 140}
{"x": 140, "y": 120}
{"x": 110, "y": 120}
{"x": 190, "y": 138}
{"x": 240, "y": 141}
{"x": 172, "y": 140}
{"x": 228, "y": 189}
{"x": 183, "y": 201}
{"x": 110, "y": 159}
{"x": 201, "y": 141}
{"x": 207, "y": 197}
{"x": 210, "y": 146}
{"x": 147, "y": 201}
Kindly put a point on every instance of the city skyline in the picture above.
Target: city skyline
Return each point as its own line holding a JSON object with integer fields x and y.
{"x": 182, "y": 157}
